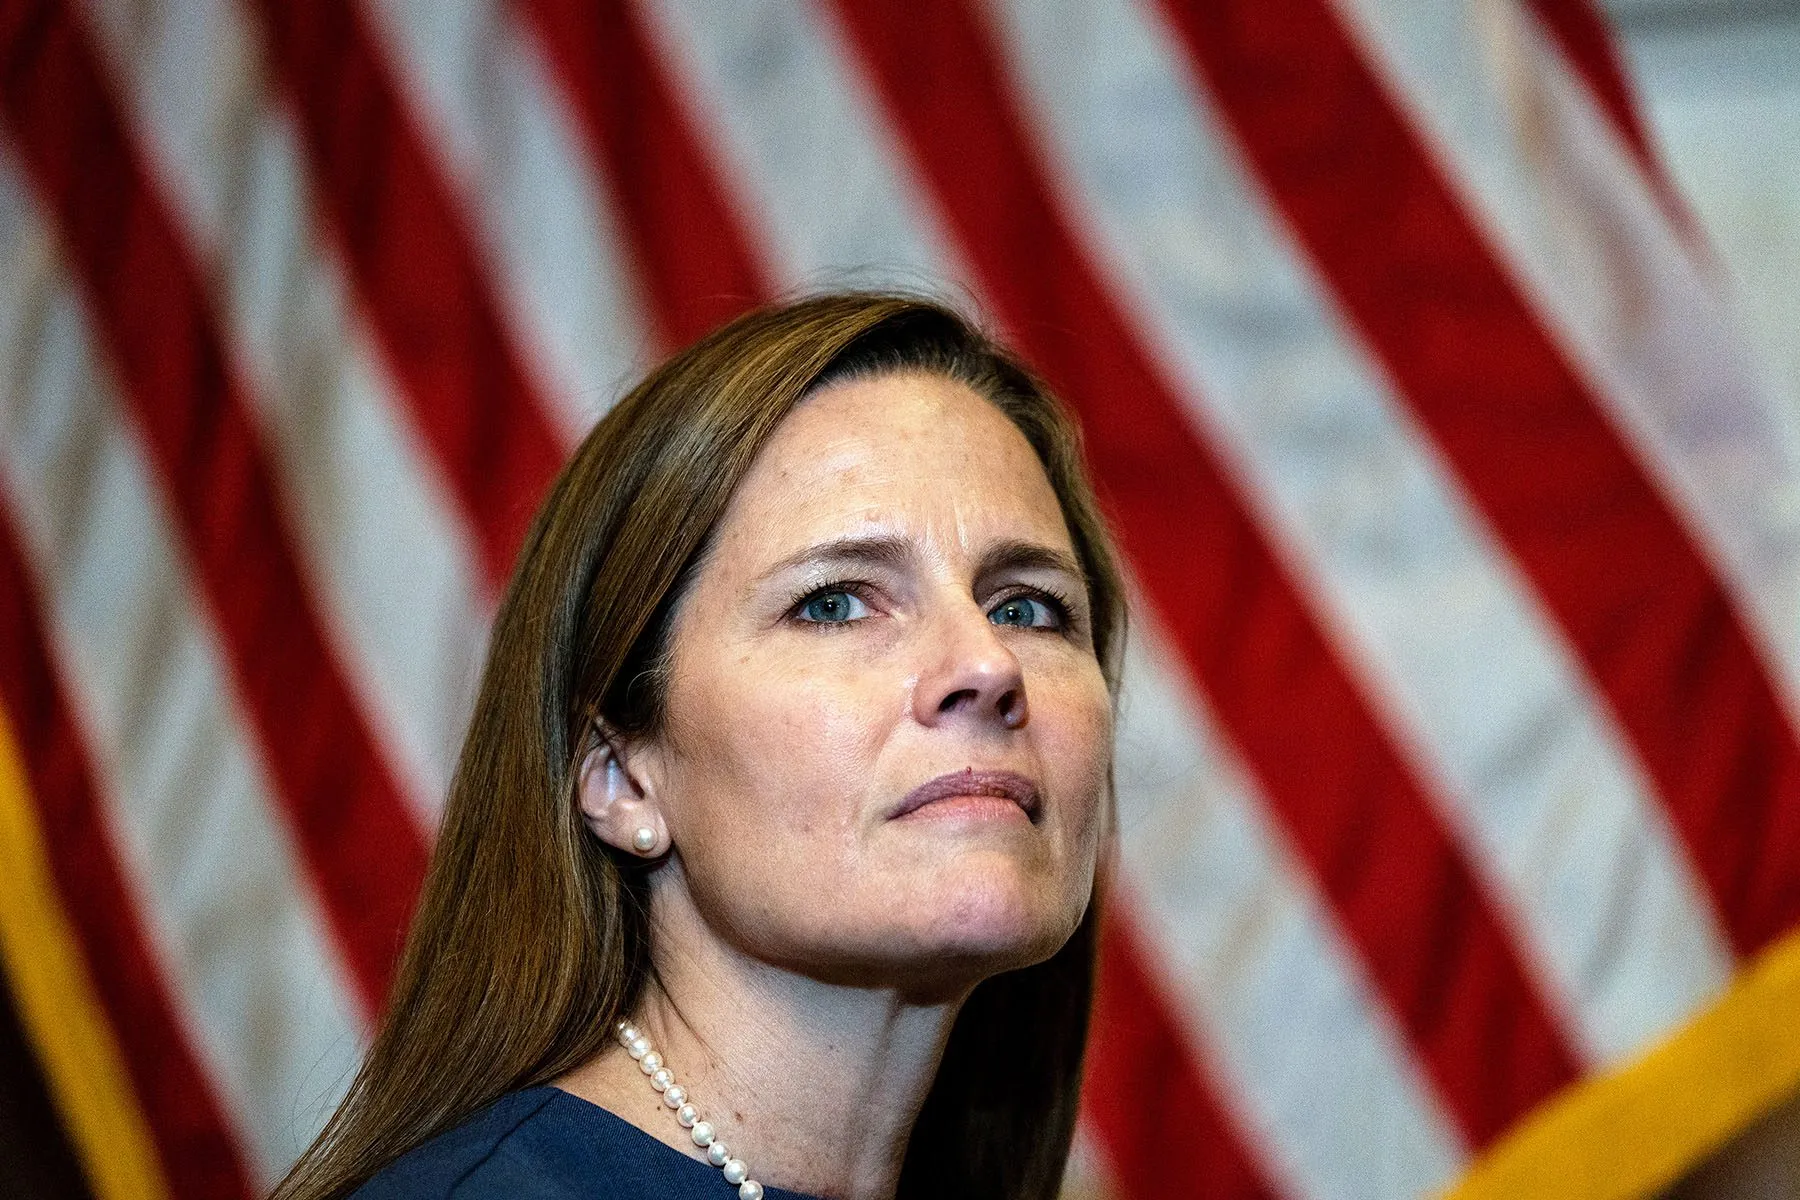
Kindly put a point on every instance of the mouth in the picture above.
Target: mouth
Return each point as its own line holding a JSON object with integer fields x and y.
{"x": 970, "y": 783}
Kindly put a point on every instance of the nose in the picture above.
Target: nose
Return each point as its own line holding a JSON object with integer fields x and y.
{"x": 972, "y": 676}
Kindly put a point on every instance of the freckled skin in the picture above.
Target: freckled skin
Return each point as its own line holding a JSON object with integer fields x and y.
{"x": 789, "y": 741}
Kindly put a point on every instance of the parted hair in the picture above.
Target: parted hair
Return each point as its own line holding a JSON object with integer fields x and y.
{"x": 532, "y": 936}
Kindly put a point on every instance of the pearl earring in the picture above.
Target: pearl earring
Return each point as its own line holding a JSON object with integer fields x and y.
{"x": 644, "y": 840}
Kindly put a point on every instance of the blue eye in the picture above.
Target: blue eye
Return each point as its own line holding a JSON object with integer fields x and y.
{"x": 1027, "y": 612}
{"x": 833, "y": 608}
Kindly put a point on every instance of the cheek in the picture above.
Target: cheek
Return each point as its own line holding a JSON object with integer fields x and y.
{"x": 1076, "y": 737}
{"x": 770, "y": 759}
{"x": 766, "y": 796}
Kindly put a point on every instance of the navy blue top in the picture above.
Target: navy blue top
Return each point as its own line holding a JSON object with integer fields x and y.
{"x": 545, "y": 1142}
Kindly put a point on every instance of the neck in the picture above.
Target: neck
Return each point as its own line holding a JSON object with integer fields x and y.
{"x": 814, "y": 1085}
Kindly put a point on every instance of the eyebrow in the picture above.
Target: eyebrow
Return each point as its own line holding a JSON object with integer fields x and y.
{"x": 884, "y": 551}
{"x": 896, "y": 552}
{"x": 1012, "y": 555}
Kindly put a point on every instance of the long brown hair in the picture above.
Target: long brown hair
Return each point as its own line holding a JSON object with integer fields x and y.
{"x": 531, "y": 937}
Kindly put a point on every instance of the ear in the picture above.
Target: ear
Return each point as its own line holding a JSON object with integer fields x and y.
{"x": 615, "y": 805}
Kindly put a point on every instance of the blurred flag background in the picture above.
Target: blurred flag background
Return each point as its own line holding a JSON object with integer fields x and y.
{"x": 1459, "y": 761}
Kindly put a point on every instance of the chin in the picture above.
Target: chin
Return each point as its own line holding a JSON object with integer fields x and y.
{"x": 934, "y": 930}
{"x": 994, "y": 921}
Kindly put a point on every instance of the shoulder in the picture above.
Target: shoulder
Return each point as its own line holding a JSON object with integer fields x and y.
{"x": 546, "y": 1144}
{"x": 526, "y": 1143}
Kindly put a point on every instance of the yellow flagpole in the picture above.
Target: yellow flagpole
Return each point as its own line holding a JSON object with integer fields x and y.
{"x": 82, "y": 1065}
{"x": 1634, "y": 1131}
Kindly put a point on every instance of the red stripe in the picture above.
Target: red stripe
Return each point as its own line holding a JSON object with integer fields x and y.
{"x": 425, "y": 295}
{"x": 1141, "y": 1072}
{"x": 357, "y": 836}
{"x": 693, "y": 261}
{"x": 1581, "y": 31}
{"x": 1615, "y": 566}
{"x": 184, "y": 1117}
{"x": 1348, "y": 800}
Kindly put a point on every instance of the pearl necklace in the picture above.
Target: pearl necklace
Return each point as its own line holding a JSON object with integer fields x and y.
{"x": 675, "y": 1096}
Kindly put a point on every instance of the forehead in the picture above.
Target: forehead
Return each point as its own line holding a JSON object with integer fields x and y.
{"x": 913, "y": 454}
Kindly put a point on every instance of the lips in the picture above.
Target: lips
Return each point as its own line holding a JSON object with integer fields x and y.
{"x": 970, "y": 782}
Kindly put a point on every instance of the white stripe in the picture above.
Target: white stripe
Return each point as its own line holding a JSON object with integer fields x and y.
{"x": 527, "y": 179}
{"x": 1536, "y": 781}
{"x": 403, "y": 600}
{"x": 1540, "y": 168}
{"x": 1085, "y": 1177}
{"x": 1263, "y": 973}
{"x": 798, "y": 133}
{"x": 182, "y": 789}
{"x": 1312, "y": 1060}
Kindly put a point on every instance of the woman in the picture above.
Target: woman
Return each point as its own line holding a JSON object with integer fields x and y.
{"x": 771, "y": 854}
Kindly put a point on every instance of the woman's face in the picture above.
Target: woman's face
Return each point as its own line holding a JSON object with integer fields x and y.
{"x": 887, "y": 737}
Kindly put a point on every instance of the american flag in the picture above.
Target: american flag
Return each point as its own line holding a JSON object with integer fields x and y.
{"x": 1458, "y": 766}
